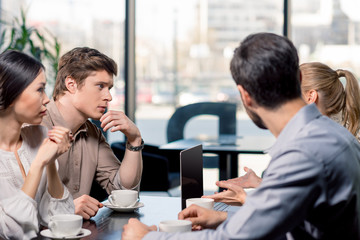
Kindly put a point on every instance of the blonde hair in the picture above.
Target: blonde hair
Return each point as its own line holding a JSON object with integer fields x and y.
{"x": 332, "y": 95}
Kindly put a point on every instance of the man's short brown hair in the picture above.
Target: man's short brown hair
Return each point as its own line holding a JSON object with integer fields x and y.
{"x": 79, "y": 63}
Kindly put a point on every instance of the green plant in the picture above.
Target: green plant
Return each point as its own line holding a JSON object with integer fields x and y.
{"x": 42, "y": 45}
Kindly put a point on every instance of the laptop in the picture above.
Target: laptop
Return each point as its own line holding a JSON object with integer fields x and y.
{"x": 191, "y": 176}
{"x": 191, "y": 173}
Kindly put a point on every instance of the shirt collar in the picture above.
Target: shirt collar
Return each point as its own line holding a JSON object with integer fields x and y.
{"x": 57, "y": 119}
{"x": 305, "y": 115}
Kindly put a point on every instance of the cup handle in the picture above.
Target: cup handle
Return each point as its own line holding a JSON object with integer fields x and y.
{"x": 111, "y": 201}
{"x": 51, "y": 225}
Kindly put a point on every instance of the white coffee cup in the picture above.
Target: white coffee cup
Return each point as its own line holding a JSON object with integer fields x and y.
{"x": 202, "y": 202}
{"x": 63, "y": 225}
{"x": 123, "y": 198}
{"x": 175, "y": 226}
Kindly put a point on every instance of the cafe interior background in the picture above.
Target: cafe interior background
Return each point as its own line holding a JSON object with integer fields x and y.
{"x": 173, "y": 53}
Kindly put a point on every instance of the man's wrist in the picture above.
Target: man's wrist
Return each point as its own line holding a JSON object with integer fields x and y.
{"x": 135, "y": 148}
{"x": 223, "y": 216}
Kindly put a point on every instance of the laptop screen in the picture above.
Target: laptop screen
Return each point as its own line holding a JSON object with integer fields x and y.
{"x": 191, "y": 173}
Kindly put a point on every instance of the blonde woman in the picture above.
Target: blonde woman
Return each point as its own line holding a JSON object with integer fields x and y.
{"x": 321, "y": 85}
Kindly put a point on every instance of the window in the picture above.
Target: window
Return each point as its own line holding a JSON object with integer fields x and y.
{"x": 183, "y": 50}
{"x": 332, "y": 32}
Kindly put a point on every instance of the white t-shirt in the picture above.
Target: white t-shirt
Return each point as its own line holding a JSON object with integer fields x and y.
{"x": 20, "y": 215}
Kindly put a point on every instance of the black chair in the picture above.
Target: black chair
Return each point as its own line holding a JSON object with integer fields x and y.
{"x": 155, "y": 176}
{"x": 226, "y": 113}
{"x": 98, "y": 192}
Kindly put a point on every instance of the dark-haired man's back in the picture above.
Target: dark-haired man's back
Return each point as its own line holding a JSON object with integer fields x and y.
{"x": 312, "y": 184}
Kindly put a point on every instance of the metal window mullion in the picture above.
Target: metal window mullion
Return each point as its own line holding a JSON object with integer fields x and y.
{"x": 287, "y": 19}
{"x": 129, "y": 64}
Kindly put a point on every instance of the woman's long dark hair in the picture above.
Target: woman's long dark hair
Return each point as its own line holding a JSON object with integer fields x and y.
{"x": 17, "y": 71}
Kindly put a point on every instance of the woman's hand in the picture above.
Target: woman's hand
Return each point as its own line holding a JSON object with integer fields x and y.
{"x": 62, "y": 137}
{"x": 58, "y": 142}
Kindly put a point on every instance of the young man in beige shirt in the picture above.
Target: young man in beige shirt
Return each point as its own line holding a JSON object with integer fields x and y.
{"x": 82, "y": 91}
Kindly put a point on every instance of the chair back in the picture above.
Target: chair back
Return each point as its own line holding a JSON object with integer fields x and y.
{"x": 155, "y": 175}
{"x": 226, "y": 112}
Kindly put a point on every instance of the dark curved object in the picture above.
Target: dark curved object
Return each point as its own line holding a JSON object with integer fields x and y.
{"x": 155, "y": 175}
{"x": 225, "y": 111}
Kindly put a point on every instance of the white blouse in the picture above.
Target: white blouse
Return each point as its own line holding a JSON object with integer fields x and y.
{"x": 20, "y": 215}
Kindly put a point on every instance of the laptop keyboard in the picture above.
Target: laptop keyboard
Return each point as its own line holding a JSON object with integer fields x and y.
{"x": 220, "y": 206}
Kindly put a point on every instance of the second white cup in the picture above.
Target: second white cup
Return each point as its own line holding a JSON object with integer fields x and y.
{"x": 202, "y": 202}
{"x": 123, "y": 198}
{"x": 175, "y": 226}
{"x": 65, "y": 225}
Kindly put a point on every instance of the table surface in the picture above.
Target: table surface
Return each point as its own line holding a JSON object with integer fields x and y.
{"x": 108, "y": 224}
{"x": 225, "y": 143}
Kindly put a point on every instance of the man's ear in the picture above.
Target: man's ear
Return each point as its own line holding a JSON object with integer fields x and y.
{"x": 70, "y": 84}
{"x": 245, "y": 97}
{"x": 311, "y": 96}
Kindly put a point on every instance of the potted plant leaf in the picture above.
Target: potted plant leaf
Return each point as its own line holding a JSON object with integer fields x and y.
{"x": 39, "y": 43}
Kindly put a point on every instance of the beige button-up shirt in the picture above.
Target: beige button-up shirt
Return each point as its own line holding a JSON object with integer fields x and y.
{"x": 89, "y": 157}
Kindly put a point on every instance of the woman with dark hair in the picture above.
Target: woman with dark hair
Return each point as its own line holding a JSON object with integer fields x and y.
{"x": 31, "y": 190}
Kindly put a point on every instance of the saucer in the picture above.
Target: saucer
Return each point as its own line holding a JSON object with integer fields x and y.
{"x": 83, "y": 233}
{"x": 123, "y": 209}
